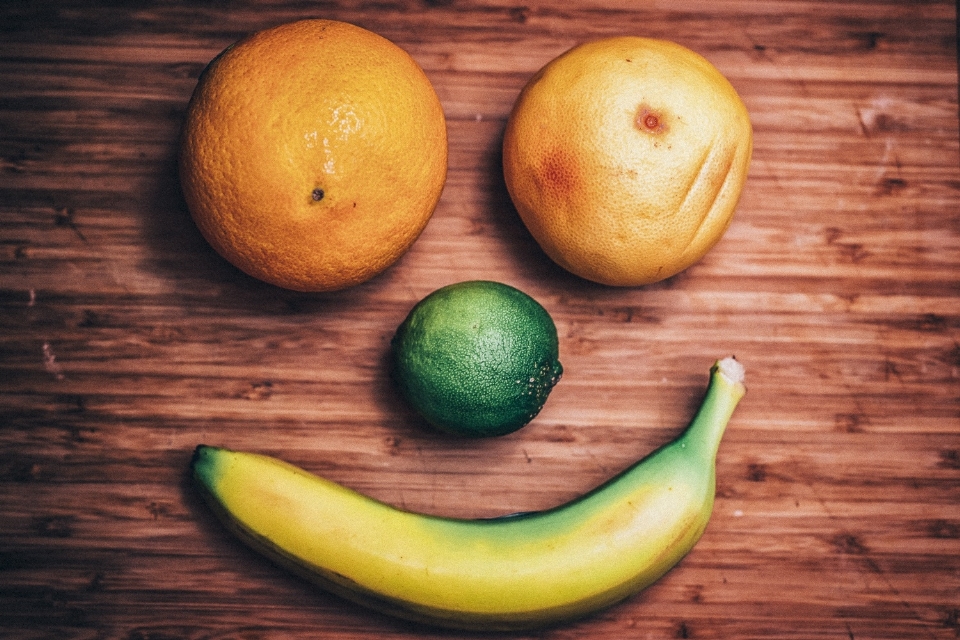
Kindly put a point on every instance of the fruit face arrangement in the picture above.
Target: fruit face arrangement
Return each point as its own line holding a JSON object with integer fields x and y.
{"x": 312, "y": 157}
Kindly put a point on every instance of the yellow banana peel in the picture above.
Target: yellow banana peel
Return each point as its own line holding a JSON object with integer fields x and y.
{"x": 513, "y": 572}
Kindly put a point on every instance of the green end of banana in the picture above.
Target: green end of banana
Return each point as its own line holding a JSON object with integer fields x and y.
{"x": 204, "y": 465}
{"x": 511, "y": 573}
{"x": 724, "y": 392}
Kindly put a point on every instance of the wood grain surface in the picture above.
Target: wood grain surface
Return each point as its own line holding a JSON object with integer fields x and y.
{"x": 125, "y": 340}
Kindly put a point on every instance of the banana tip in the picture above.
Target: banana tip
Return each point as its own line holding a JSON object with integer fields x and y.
{"x": 731, "y": 369}
{"x": 198, "y": 455}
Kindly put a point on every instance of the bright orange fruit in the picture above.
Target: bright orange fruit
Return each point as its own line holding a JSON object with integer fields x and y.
{"x": 313, "y": 154}
{"x": 626, "y": 157}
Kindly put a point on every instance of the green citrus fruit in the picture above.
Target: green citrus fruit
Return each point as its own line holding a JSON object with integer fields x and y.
{"x": 477, "y": 358}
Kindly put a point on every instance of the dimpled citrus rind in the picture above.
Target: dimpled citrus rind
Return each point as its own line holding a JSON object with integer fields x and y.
{"x": 625, "y": 158}
{"x": 477, "y": 358}
{"x": 313, "y": 154}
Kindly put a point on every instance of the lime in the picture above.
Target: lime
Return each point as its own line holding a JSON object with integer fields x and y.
{"x": 477, "y": 358}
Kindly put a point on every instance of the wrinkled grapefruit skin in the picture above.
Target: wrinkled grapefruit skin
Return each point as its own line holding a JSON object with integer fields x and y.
{"x": 626, "y": 158}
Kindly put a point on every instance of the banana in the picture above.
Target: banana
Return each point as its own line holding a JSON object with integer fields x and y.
{"x": 514, "y": 572}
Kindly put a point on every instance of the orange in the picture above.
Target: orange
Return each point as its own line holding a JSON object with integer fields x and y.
{"x": 313, "y": 154}
{"x": 625, "y": 158}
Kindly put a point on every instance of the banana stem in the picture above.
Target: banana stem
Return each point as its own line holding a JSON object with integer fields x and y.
{"x": 725, "y": 390}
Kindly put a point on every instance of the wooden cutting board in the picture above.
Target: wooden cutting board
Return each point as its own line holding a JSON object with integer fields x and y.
{"x": 126, "y": 340}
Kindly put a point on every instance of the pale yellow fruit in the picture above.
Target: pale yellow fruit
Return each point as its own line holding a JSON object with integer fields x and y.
{"x": 626, "y": 157}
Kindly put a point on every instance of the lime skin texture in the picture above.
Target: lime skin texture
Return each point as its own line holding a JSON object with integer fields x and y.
{"x": 477, "y": 358}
